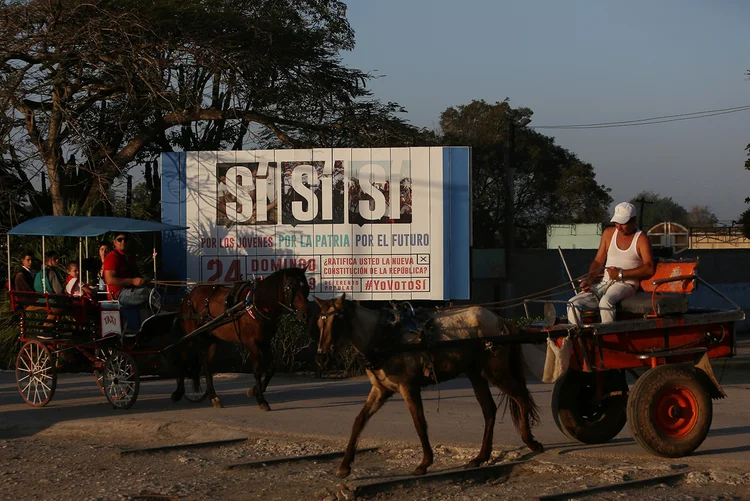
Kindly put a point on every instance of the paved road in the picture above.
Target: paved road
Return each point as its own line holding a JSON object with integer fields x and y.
{"x": 308, "y": 406}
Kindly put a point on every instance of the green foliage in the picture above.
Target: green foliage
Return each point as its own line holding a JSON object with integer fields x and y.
{"x": 523, "y": 321}
{"x": 701, "y": 215}
{"x": 661, "y": 209}
{"x": 745, "y": 222}
{"x": 551, "y": 184}
{"x": 9, "y": 345}
{"x": 111, "y": 84}
{"x": 290, "y": 342}
{"x": 349, "y": 362}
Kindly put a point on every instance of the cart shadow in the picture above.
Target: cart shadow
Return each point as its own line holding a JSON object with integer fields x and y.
{"x": 574, "y": 447}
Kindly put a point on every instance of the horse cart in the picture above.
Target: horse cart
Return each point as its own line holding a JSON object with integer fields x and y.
{"x": 660, "y": 340}
{"x": 64, "y": 333}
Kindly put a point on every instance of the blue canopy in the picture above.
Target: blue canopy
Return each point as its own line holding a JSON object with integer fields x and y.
{"x": 87, "y": 226}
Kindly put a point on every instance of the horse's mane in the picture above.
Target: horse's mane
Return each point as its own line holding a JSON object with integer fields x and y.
{"x": 387, "y": 338}
{"x": 269, "y": 289}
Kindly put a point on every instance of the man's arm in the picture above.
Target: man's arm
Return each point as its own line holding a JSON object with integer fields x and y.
{"x": 20, "y": 283}
{"x": 111, "y": 278}
{"x": 597, "y": 265}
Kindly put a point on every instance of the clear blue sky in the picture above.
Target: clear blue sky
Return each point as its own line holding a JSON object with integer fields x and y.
{"x": 582, "y": 61}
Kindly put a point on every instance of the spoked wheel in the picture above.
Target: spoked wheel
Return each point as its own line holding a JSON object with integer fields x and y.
{"x": 670, "y": 411}
{"x": 578, "y": 413}
{"x": 102, "y": 354}
{"x": 194, "y": 394}
{"x": 121, "y": 380}
{"x": 154, "y": 301}
{"x": 35, "y": 374}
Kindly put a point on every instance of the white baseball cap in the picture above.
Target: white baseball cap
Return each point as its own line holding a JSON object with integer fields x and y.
{"x": 623, "y": 213}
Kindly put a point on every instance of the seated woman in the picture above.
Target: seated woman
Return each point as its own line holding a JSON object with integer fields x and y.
{"x": 47, "y": 280}
{"x": 73, "y": 284}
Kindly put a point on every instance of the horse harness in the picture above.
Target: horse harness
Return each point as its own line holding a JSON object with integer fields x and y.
{"x": 248, "y": 290}
{"x": 390, "y": 333}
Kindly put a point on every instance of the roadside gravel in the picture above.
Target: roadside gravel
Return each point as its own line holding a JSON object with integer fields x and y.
{"x": 76, "y": 461}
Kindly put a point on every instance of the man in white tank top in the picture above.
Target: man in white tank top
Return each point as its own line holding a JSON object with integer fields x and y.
{"x": 625, "y": 257}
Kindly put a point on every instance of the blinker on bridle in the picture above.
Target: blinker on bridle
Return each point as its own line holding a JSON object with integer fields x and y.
{"x": 289, "y": 287}
{"x": 324, "y": 316}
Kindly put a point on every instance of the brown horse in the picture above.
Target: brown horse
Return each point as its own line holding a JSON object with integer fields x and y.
{"x": 396, "y": 366}
{"x": 257, "y": 307}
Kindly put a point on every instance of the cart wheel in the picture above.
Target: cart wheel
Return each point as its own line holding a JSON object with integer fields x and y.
{"x": 580, "y": 416}
{"x": 35, "y": 374}
{"x": 154, "y": 301}
{"x": 121, "y": 380}
{"x": 101, "y": 358}
{"x": 670, "y": 411}
{"x": 194, "y": 394}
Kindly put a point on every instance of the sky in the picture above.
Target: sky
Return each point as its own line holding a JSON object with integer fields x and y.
{"x": 578, "y": 62}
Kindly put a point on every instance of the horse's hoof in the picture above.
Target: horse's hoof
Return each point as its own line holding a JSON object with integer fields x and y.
{"x": 536, "y": 446}
{"x": 176, "y": 396}
{"x": 217, "y": 403}
{"x": 419, "y": 471}
{"x": 251, "y": 392}
{"x": 264, "y": 406}
{"x": 474, "y": 463}
{"x": 343, "y": 472}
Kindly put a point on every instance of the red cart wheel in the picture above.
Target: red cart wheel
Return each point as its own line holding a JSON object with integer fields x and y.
{"x": 580, "y": 416}
{"x": 35, "y": 374}
{"x": 670, "y": 411}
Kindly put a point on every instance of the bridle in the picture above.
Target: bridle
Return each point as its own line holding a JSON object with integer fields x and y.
{"x": 292, "y": 287}
{"x": 332, "y": 314}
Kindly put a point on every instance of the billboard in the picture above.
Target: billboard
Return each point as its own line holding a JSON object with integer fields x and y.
{"x": 376, "y": 223}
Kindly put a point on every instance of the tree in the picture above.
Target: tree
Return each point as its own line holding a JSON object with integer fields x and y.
{"x": 551, "y": 184}
{"x": 744, "y": 221}
{"x": 89, "y": 88}
{"x": 701, "y": 215}
{"x": 657, "y": 209}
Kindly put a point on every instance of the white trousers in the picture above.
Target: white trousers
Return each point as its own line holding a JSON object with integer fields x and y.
{"x": 603, "y": 295}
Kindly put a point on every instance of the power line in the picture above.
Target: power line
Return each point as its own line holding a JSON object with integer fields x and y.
{"x": 648, "y": 121}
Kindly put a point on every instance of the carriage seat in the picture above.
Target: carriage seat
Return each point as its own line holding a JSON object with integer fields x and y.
{"x": 666, "y": 292}
{"x": 52, "y": 313}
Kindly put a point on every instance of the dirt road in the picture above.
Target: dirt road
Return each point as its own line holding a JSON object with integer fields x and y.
{"x": 70, "y": 449}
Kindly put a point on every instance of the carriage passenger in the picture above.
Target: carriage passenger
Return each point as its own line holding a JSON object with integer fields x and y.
{"x": 122, "y": 277}
{"x": 73, "y": 286}
{"x": 625, "y": 255}
{"x": 24, "y": 278}
{"x": 103, "y": 250}
{"x": 48, "y": 279}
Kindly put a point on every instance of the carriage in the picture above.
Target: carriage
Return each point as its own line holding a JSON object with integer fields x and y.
{"x": 64, "y": 333}
{"x": 658, "y": 338}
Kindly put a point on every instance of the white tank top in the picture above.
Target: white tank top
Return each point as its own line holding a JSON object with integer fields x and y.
{"x": 627, "y": 259}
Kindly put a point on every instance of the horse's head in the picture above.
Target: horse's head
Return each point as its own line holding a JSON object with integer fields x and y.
{"x": 295, "y": 290}
{"x": 330, "y": 310}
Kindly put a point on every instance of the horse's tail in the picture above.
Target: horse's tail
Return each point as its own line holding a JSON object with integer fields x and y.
{"x": 517, "y": 367}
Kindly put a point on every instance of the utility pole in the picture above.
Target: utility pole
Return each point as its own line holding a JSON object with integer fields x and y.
{"x": 642, "y": 201}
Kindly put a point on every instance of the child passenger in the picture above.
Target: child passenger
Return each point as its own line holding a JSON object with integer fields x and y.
{"x": 73, "y": 285}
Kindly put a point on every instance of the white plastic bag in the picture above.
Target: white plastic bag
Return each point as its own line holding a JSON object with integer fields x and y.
{"x": 557, "y": 361}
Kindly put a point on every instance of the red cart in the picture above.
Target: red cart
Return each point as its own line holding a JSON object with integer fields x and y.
{"x": 665, "y": 344}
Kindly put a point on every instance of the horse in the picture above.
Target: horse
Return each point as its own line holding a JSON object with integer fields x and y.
{"x": 257, "y": 305}
{"x": 395, "y": 365}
